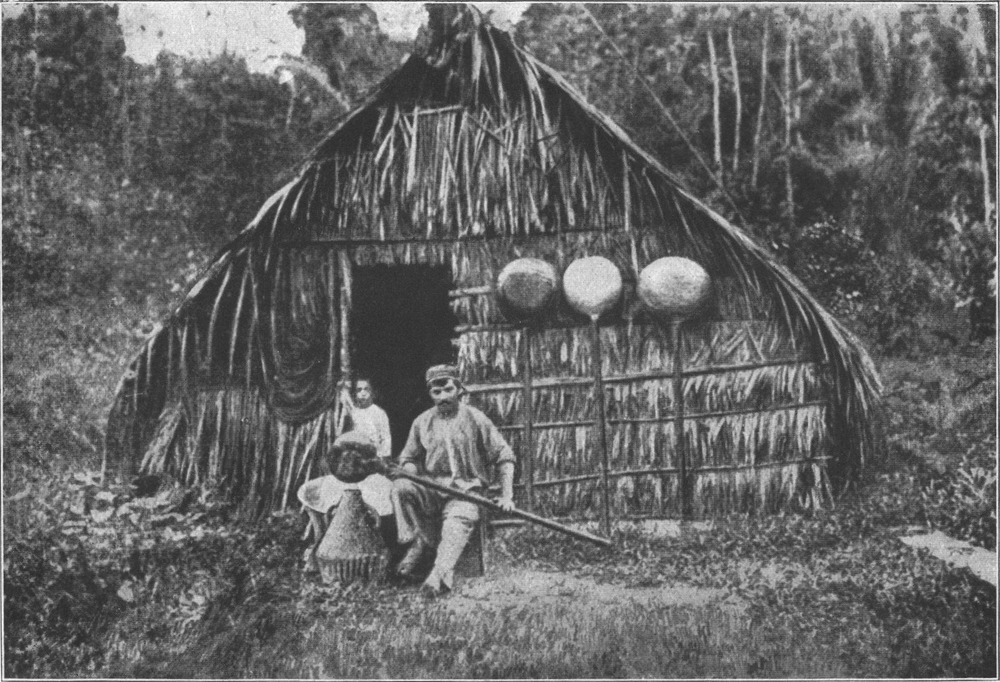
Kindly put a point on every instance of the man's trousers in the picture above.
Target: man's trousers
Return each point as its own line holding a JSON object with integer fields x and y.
{"x": 436, "y": 519}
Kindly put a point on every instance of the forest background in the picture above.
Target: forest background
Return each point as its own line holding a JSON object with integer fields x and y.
{"x": 859, "y": 149}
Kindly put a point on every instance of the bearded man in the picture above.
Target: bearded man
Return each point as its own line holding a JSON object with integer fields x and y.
{"x": 457, "y": 445}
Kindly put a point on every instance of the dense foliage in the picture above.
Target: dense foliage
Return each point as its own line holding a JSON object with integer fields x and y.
{"x": 940, "y": 414}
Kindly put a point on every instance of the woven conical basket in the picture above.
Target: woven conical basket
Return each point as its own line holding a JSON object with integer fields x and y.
{"x": 352, "y": 548}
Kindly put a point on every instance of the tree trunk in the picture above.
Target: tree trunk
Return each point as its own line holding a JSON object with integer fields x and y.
{"x": 787, "y": 107}
{"x": 713, "y": 63}
{"x": 36, "y": 67}
{"x": 985, "y": 168}
{"x": 290, "y": 112}
{"x": 738, "y": 123}
{"x": 761, "y": 107}
{"x": 125, "y": 121}
{"x": 797, "y": 102}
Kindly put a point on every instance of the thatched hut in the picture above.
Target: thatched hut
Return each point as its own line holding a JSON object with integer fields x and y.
{"x": 381, "y": 257}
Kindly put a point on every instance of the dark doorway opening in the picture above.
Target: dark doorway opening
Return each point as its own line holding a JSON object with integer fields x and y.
{"x": 401, "y": 323}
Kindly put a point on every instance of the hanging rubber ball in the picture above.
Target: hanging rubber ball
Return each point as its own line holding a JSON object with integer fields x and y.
{"x": 526, "y": 287}
{"x": 592, "y": 285}
{"x": 674, "y": 287}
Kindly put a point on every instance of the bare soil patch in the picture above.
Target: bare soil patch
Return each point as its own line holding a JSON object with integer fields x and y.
{"x": 508, "y": 587}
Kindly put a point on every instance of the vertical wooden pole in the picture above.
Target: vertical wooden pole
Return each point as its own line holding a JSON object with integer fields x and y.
{"x": 528, "y": 419}
{"x": 345, "y": 337}
{"x": 713, "y": 64}
{"x": 345, "y": 314}
{"x": 602, "y": 425}
{"x": 762, "y": 105}
{"x": 678, "y": 383}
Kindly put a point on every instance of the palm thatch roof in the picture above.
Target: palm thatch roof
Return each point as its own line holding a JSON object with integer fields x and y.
{"x": 474, "y": 147}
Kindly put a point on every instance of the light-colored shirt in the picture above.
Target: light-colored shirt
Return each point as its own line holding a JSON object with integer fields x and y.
{"x": 461, "y": 449}
{"x": 373, "y": 422}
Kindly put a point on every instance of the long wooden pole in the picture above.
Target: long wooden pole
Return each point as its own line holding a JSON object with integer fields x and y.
{"x": 528, "y": 421}
{"x": 346, "y": 298}
{"x": 678, "y": 384}
{"x": 602, "y": 425}
{"x": 697, "y": 416}
{"x": 556, "y": 382}
{"x": 674, "y": 471}
{"x": 490, "y": 504}
{"x": 345, "y": 314}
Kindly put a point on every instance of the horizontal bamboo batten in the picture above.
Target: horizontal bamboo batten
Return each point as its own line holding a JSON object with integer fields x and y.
{"x": 507, "y": 327}
{"x": 346, "y": 243}
{"x": 673, "y": 471}
{"x": 667, "y": 418}
{"x": 551, "y": 382}
{"x": 657, "y": 495}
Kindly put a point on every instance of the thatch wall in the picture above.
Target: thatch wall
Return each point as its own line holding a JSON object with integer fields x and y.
{"x": 762, "y": 426}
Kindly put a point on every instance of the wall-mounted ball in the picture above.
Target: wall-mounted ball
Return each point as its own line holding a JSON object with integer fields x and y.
{"x": 674, "y": 287}
{"x": 526, "y": 287}
{"x": 592, "y": 285}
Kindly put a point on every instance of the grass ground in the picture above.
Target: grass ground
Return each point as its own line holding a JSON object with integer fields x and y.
{"x": 100, "y": 584}
{"x": 779, "y": 598}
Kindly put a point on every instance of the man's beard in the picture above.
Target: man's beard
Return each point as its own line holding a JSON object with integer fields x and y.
{"x": 447, "y": 407}
{"x": 363, "y": 402}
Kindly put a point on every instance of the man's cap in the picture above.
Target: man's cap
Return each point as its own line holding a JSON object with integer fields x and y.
{"x": 441, "y": 372}
{"x": 356, "y": 441}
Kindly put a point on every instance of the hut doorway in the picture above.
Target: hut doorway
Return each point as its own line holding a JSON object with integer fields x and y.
{"x": 401, "y": 323}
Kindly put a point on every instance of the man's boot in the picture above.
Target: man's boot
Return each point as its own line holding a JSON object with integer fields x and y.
{"x": 455, "y": 534}
{"x": 410, "y": 562}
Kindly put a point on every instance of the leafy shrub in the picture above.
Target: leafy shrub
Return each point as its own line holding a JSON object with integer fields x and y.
{"x": 963, "y": 501}
{"x": 894, "y": 300}
{"x": 970, "y": 251}
{"x": 40, "y": 274}
{"x": 59, "y": 591}
{"x": 79, "y": 557}
{"x": 899, "y": 311}
{"x": 940, "y": 414}
{"x": 838, "y": 267}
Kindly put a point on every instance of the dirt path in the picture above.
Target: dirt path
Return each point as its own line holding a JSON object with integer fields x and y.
{"x": 508, "y": 586}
